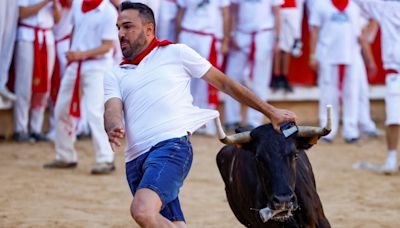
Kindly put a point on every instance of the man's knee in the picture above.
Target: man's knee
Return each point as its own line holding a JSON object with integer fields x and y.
{"x": 141, "y": 213}
{"x": 145, "y": 206}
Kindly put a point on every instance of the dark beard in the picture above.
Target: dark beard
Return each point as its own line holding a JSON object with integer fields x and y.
{"x": 134, "y": 48}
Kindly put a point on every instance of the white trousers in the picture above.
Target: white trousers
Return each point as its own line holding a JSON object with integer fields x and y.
{"x": 166, "y": 20}
{"x": 300, "y": 8}
{"x": 83, "y": 126}
{"x": 92, "y": 88}
{"x": 290, "y": 30}
{"x": 238, "y": 68}
{"x": 365, "y": 121}
{"x": 202, "y": 45}
{"x": 8, "y": 31}
{"x": 23, "y": 114}
{"x": 329, "y": 94}
{"x": 62, "y": 49}
{"x": 392, "y": 99}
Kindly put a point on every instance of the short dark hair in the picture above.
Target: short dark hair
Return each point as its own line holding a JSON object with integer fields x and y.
{"x": 145, "y": 12}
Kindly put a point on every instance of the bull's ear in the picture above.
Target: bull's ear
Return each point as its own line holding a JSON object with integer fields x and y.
{"x": 304, "y": 143}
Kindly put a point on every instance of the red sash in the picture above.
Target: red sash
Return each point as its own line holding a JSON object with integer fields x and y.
{"x": 74, "y": 107}
{"x": 253, "y": 49}
{"x": 342, "y": 74}
{"x": 88, "y": 5}
{"x": 65, "y": 4}
{"x": 213, "y": 59}
{"x": 341, "y": 5}
{"x": 40, "y": 84}
{"x": 391, "y": 71}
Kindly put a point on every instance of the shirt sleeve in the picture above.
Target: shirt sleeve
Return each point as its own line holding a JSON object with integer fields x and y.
{"x": 23, "y": 2}
{"x": 277, "y": 2}
{"x": 224, "y": 3}
{"x": 110, "y": 31}
{"x": 315, "y": 17}
{"x": 371, "y": 7}
{"x": 193, "y": 63}
{"x": 181, "y": 3}
{"x": 111, "y": 87}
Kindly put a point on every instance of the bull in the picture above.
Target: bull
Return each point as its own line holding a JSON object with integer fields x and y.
{"x": 269, "y": 181}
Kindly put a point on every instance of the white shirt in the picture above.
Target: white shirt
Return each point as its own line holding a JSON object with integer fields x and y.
{"x": 339, "y": 31}
{"x": 64, "y": 26}
{"x": 204, "y": 15}
{"x": 387, "y": 13}
{"x": 91, "y": 29}
{"x": 44, "y": 19}
{"x": 156, "y": 95}
{"x": 256, "y": 15}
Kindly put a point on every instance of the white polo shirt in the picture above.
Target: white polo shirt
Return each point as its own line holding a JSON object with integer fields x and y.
{"x": 339, "y": 31}
{"x": 256, "y": 15}
{"x": 156, "y": 95}
{"x": 91, "y": 28}
{"x": 387, "y": 13}
{"x": 44, "y": 19}
{"x": 204, "y": 15}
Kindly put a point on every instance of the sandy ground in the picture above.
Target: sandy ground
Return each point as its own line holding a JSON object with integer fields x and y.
{"x": 33, "y": 197}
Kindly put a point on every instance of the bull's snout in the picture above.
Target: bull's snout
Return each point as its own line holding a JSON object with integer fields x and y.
{"x": 281, "y": 208}
{"x": 284, "y": 202}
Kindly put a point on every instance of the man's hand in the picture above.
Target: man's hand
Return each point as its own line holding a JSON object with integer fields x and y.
{"x": 114, "y": 137}
{"x": 280, "y": 116}
{"x": 75, "y": 56}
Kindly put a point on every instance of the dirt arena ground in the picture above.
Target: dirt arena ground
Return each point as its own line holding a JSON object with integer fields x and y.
{"x": 33, "y": 197}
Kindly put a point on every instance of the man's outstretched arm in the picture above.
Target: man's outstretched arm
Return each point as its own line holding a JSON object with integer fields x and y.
{"x": 113, "y": 121}
{"x": 245, "y": 96}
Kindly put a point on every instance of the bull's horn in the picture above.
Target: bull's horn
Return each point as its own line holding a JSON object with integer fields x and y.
{"x": 307, "y": 131}
{"x": 242, "y": 137}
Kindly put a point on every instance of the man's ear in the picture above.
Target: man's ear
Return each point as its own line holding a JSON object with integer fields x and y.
{"x": 149, "y": 28}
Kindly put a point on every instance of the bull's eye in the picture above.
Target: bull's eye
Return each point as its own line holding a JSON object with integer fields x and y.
{"x": 295, "y": 156}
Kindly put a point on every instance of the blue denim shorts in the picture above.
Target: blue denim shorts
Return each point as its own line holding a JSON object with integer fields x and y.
{"x": 163, "y": 170}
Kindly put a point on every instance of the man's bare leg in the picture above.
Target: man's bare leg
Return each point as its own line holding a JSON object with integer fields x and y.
{"x": 392, "y": 137}
{"x": 145, "y": 210}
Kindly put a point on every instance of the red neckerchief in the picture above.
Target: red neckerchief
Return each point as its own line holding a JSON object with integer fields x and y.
{"x": 88, "y": 5}
{"x": 340, "y": 4}
{"x": 153, "y": 44}
{"x": 289, "y": 4}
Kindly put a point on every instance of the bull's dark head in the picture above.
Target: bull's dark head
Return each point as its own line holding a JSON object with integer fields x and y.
{"x": 276, "y": 161}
